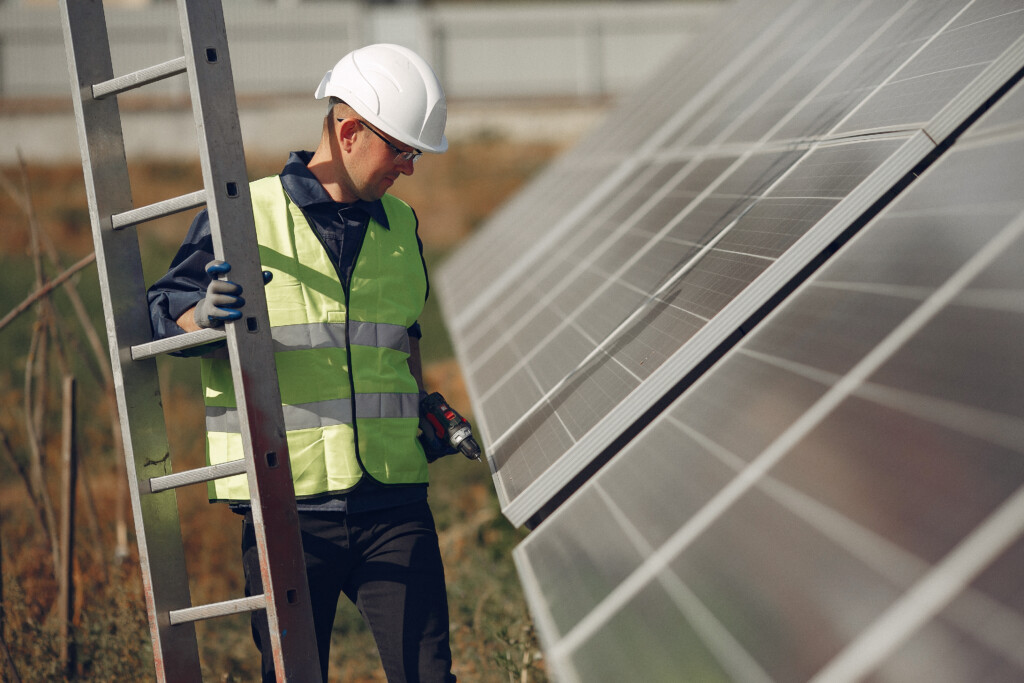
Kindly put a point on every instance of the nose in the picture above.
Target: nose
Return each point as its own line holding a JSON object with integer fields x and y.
{"x": 406, "y": 167}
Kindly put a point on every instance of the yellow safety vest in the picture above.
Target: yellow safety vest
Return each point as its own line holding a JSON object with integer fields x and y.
{"x": 351, "y": 404}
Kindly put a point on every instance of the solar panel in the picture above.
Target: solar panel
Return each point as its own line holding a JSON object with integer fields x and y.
{"x": 841, "y": 497}
{"x": 631, "y": 264}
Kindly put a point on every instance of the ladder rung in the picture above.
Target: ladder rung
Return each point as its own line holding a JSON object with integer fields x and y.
{"x": 158, "y": 210}
{"x": 176, "y": 343}
{"x": 195, "y": 476}
{"x": 217, "y": 609}
{"x": 139, "y": 78}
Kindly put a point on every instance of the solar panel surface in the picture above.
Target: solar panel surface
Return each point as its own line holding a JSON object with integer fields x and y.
{"x": 631, "y": 262}
{"x": 841, "y": 498}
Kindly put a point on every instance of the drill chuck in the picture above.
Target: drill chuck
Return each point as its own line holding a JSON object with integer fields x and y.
{"x": 462, "y": 440}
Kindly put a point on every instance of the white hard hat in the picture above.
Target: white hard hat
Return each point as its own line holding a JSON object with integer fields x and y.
{"x": 394, "y": 89}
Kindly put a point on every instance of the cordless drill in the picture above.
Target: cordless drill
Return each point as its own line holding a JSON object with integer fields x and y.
{"x": 449, "y": 426}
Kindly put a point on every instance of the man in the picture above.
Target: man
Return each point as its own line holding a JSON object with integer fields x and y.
{"x": 347, "y": 285}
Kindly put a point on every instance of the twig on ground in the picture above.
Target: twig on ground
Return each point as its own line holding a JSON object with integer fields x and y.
{"x": 46, "y": 289}
{"x": 36, "y": 465}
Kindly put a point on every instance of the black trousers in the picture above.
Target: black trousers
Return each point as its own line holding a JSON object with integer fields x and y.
{"x": 387, "y": 562}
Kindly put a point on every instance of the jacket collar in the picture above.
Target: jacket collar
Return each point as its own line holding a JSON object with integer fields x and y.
{"x": 305, "y": 190}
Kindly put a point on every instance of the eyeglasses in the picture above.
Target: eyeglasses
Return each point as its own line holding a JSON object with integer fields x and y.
{"x": 401, "y": 156}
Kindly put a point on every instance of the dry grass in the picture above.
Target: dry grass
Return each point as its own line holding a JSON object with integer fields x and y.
{"x": 491, "y": 632}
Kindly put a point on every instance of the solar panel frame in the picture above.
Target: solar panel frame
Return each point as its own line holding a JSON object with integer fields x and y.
{"x": 706, "y": 73}
{"x": 585, "y": 446}
{"x": 715, "y": 331}
{"x": 961, "y": 577}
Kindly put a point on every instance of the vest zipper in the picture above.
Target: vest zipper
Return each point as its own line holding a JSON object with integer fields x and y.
{"x": 348, "y": 341}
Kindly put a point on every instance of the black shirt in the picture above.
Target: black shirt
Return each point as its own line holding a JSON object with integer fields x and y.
{"x": 341, "y": 228}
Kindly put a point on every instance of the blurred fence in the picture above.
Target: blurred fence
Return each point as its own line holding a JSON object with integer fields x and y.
{"x": 479, "y": 49}
{"x": 496, "y": 60}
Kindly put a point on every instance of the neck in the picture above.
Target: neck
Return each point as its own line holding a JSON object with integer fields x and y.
{"x": 330, "y": 171}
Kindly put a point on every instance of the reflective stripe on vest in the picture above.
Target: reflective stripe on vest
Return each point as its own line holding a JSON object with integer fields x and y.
{"x": 318, "y": 332}
{"x": 324, "y": 335}
{"x": 324, "y": 413}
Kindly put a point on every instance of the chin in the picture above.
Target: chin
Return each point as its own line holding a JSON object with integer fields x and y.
{"x": 372, "y": 195}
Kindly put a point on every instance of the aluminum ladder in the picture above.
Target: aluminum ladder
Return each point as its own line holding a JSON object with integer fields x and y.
{"x": 152, "y": 481}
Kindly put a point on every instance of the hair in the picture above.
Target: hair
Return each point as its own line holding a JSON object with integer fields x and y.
{"x": 336, "y": 108}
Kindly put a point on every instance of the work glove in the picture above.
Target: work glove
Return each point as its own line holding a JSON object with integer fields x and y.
{"x": 435, "y": 445}
{"x": 223, "y": 299}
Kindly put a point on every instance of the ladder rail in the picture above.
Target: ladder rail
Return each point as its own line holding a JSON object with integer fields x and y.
{"x": 152, "y": 483}
{"x": 162, "y": 556}
{"x": 253, "y": 367}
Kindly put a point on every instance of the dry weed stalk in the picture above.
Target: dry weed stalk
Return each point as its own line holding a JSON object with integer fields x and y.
{"x": 48, "y": 333}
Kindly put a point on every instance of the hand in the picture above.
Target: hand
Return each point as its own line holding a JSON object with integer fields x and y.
{"x": 434, "y": 445}
{"x": 223, "y": 298}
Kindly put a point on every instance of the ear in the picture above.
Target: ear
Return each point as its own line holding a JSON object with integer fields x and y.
{"x": 346, "y": 130}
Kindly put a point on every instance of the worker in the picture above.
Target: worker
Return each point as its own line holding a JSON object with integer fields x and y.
{"x": 347, "y": 284}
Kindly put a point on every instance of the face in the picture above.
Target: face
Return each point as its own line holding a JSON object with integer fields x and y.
{"x": 374, "y": 164}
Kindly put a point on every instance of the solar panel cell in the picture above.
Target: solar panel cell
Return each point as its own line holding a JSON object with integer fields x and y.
{"x": 625, "y": 645}
{"x": 748, "y": 460}
{"x": 891, "y": 37}
{"x": 864, "y": 513}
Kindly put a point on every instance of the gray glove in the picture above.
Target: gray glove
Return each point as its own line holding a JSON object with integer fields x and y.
{"x": 223, "y": 298}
